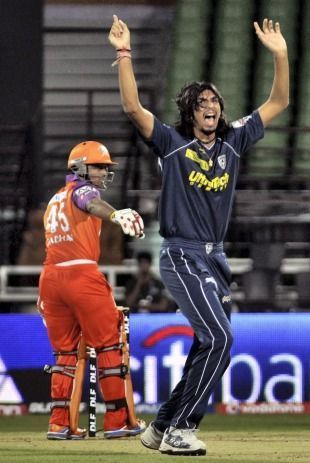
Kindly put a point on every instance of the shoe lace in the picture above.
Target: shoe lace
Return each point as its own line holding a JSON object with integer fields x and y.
{"x": 189, "y": 431}
{"x": 189, "y": 435}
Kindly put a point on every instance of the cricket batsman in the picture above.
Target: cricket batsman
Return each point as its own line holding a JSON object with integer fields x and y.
{"x": 75, "y": 297}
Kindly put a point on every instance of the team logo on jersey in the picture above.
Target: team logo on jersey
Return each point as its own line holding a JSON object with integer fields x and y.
{"x": 217, "y": 183}
{"x": 241, "y": 122}
{"x": 222, "y": 161}
{"x": 84, "y": 190}
{"x": 204, "y": 165}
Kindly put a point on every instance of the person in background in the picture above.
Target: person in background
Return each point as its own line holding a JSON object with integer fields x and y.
{"x": 199, "y": 158}
{"x": 144, "y": 291}
{"x": 112, "y": 245}
{"x": 32, "y": 246}
{"x": 75, "y": 298}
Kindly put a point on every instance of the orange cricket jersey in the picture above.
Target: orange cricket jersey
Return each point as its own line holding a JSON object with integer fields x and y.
{"x": 70, "y": 233}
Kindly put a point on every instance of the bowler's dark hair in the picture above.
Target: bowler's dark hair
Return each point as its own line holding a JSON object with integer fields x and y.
{"x": 186, "y": 102}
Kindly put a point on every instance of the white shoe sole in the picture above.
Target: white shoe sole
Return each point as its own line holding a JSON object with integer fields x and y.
{"x": 175, "y": 451}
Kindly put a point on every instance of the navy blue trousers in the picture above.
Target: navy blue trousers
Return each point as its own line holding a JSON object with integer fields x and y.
{"x": 197, "y": 276}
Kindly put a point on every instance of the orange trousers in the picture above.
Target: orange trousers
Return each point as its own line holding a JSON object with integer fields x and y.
{"x": 73, "y": 300}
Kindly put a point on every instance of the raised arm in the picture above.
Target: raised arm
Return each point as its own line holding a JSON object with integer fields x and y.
{"x": 278, "y": 100}
{"x": 119, "y": 38}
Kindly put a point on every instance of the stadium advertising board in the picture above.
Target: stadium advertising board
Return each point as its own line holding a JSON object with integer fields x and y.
{"x": 270, "y": 362}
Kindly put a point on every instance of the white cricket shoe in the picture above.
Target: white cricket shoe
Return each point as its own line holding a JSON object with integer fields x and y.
{"x": 152, "y": 437}
{"x": 182, "y": 442}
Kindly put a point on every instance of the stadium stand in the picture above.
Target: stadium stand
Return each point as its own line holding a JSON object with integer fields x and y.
{"x": 301, "y": 162}
{"x": 232, "y": 59}
{"x": 188, "y": 52}
{"x": 81, "y": 89}
{"x": 202, "y": 39}
{"x": 267, "y": 158}
{"x": 15, "y": 178}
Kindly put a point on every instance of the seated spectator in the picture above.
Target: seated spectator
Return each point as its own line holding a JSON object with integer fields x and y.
{"x": 144, "y": 291}
{"x": 32, "y": 250}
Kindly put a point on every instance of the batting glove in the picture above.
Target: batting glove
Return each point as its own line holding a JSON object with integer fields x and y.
{"x": 130, "y": 221}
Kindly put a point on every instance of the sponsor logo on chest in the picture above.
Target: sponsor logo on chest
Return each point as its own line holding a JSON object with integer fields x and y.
{"x": 216, "y": 184}
{"x": 204, "y": 165}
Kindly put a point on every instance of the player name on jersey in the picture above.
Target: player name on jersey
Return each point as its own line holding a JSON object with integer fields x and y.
{"x": 59, "y": 239}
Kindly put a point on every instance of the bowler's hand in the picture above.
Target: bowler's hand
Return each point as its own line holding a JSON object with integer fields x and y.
{"x": 119, "y": 35}
{"x": 271, "y": 36}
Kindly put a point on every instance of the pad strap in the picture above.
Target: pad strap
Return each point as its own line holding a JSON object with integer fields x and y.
{"x": 120, "y": 370}
{"x": 66, "y": 370}
{"x": 57, "y": 353}
{"x": 109, "y": 348}
{"x": 63, "y": 403}
{"x": 113, "y": 405}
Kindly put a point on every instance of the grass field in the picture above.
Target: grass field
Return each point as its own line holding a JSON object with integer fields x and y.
{"x": 230, "y": 439}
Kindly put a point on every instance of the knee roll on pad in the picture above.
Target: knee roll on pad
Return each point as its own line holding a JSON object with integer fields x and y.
{"x": 63, "y": 374}
{"x": 111, "y": 373}
{"x": 110, "y": 362}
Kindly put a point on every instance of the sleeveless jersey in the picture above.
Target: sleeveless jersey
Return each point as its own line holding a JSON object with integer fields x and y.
{"x": 70, "y": 233}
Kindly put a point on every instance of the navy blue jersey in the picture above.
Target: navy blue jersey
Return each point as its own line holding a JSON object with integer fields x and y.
{"x": 198, "y": 184}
